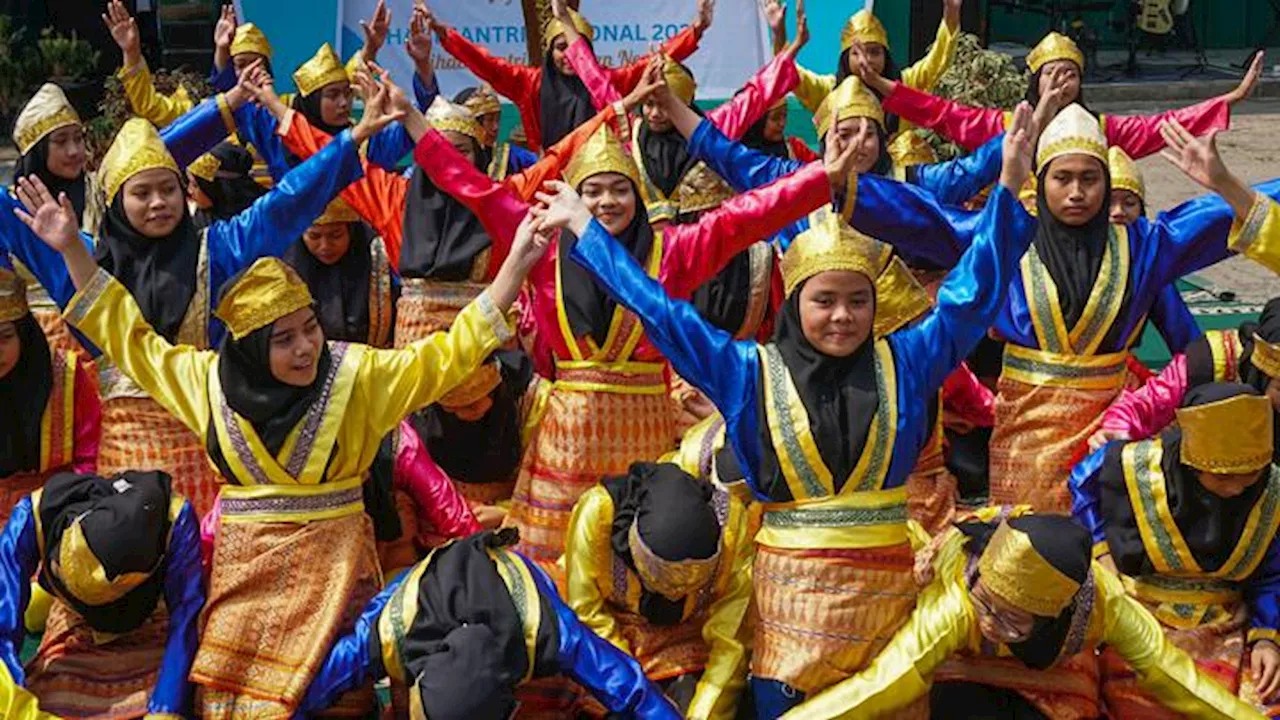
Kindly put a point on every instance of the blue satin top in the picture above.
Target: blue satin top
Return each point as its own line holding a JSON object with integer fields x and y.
{"x": 183, "y": 597}
{"x": 924, "y": 353}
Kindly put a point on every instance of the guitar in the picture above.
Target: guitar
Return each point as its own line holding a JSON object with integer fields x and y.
{"x": 1156, "y": 16}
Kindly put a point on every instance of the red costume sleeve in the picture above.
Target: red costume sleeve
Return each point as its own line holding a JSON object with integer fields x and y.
{"x": 88, "y": 419}
{"x": 1139, "y": 135}
{"x": 521, "y": 84}
{"x": 966, "y": 126}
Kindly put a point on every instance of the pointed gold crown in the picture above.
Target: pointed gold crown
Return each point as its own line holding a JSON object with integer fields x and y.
{"x": 909, "y": 149}
{"x": 602, "y": 153}
{"x": 249, "y": 39}
{"x": 1247, "y": 447}
{"x": 1013, "y": 569}
{"x": 13, "y": 296}
{"x": 205, "y": 167}
{"x": 1073, "y": 132}
{"x": 484, "y": 101}
{"x": 1054, "y": 46}
{"x": 137, "y": 147}
{"x": 336, "y": 212}
{"x": 830, "y": 244}
{"x": 863, "y": 27}
{"x": 679, "y": 81}
{"x": 1265, "y": 356}
{"x": 1125, "y": 174}
{"x": 324, "y": 68}
{"x": 46, "y": 111}
{"x": 851, "y": 99}
{"x": 266, "y": 292}
{"x": 444, "y": 115}
{"x": 83, "y": 575}
{"x": 555, "y": 29}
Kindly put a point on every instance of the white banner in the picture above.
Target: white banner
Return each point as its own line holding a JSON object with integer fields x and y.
{"x": 732, "y": 51}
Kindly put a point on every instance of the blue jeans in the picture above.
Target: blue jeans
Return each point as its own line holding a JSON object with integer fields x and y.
{"x": 773, "y": 698}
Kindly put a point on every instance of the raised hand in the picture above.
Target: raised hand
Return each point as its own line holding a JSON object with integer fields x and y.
{"x": 951, "y": 13}
{"x": 395, "y": 94}
{"x": 560, "y": 207}
{"x": 706, "y": 13}
{"x": 533, "y": 237}
{"x": 1197, "y": 157}
{"x": 379, "y": 112}
{"x": 840, "y": 156}
{"x": 124, "y": 30}
{"x": 375, "y": 31}
{"x": 53, "y": 221}
{"x": 433, "y": 22}
{"x": 419, "y": 44}
{"x": 651, "y": 83}
{"x": 249, "y": 87}
{"x": 1264, "y": 661}
{"x": 1250, "y": 81}
{"x": 261, "y": 87}
{"x": 225, "y": 31}
{"x": 1019, "y": 149}
{"x": 802, "y": 31}
{"x": 1051, "y": 102}
{"x": 560, "y": 10}
{"x": 869, "y": 76}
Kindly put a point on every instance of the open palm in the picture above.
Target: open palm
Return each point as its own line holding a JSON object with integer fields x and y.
{"x": 53, "y": 221}
{"x": 225, "y": 31}
{"x": 1197, "y": 157}
{"x": 122, "y": 26}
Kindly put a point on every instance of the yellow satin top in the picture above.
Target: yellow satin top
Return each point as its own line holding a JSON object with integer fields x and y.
{"x": 589, "y": 559}
{"x": 945, "y": 622}
{"x": 383, "y": 385}
{"x": 1258, "y": 235}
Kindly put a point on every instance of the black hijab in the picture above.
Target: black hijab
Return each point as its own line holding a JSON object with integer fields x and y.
{"x": 441, "y": 236}
{"x": 341, "y": 290}
{"x": 233, "y": 189}
{"x": 564, "y": 103}
{"x": 589, "y": 307}
{"x": 36, "y": 162}
{"x": 160, "y": 273}
{"x": 309, "y": 106}
{"x": 666, "y": 154}
{"x": 840, "y": 395}
{"x": 1211, "y": 525}
{"x": 1065, "y": 545}
{"x": 1267, "y": 328}
{"x": 891, "y": 72}
{"x": 1073, "y": 255}
{"x": 125, "y": 521}
{"x": 24, "y": 392}
{"x": 754, "y": 138}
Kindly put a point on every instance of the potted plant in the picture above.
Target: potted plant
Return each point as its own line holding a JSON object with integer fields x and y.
{"x": 70, "y": 62}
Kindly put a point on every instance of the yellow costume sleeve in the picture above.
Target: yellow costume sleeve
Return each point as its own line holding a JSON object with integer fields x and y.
{"x": 941, "y": 625}
{"x": 588, "y": 557}
{"x": 16, "y": 703}
{"x": 147, "y": 102}
{"x": 813, "y": 88}
{"x": 927, "y": 71}
{"x": 727, "y": 630}
{"x": 176, "y": 376}
{"x": 393, "y": 383}
{"x": 1258, "y": 234}
{"x": 1163, "y": 670}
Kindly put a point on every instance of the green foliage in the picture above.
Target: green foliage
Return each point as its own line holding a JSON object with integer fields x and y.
{"x": 115, "y": 108}
{"x": 18, "y": 69}
{"x": 66, "y": 59}
{"x": 981, "y": 78}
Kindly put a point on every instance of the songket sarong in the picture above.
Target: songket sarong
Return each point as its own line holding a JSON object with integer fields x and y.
{"x": 78, "y": 673}
{"x": 426, "y": 306}
{"x": 293, "y": 567}
{"x": 599, "y": 419}
{"x": 16, "y": 487}
{"x": 931, "y": 488}
{"x": 1066, "y": 691}
{"x": 1047, "y": 406}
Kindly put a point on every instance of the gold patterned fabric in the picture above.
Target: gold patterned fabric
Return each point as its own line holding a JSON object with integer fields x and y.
{"x": 137, "y": 148}
{"x": 446, "y": 116}
{"x": 13, "y": 296}
{"x": 266, "y": 292}
{"x": 1073, "y": 131}
{"x": 699, "y": 189}
{"x": 1246, "y": 448}
{"x": 931, "y": 488}
{"x": 48, "y": 110}
{"x": 1013, "y": 569}
{"x": 863, "y": 27}
{"x": 425, "y": 307}
{"x": 324, "y": 68}
{"x": 250, "y": 39}
{"x": 1054, "y": 46}
{"x": 850, "y": 99}
{"x": 252, "y": 661}
{"x": 555, "y": 28}
{"x": 1066, "y": 691}
{"x": 1125, "y": 174}
{"x": 602, "y": 153}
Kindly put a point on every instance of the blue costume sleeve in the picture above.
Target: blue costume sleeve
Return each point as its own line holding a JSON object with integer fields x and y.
{"x": 195, "y": 132}
{"x": 1084, "y": 485}
{"x": 256, "y": 126}
{"x": 184, "y": 597}
{"x": 275, "y": 220}
{"x": 707, "y": 357}
{"x": 350, "y": 661}
{"x": 1174, "y": 321}
{"x": 970, "y": 297}
{"x": 956, "y": 181}
{"x": 612, "y": 676}
{"x": 925, "y": 232}
{"x": 224, "y": 79}
{"x": 521, "y": 159}
{"x": 19, "y": 557}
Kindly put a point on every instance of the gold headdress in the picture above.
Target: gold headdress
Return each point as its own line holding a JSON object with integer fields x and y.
{"x": 602, "y": 153}
{"x": 830, "y": 244}
{"x": 1054, "y": 46}
{"x": 267, "y": 291}
{"x": 137, "y": 147}
{"x": 46, "y": 111}
{"x": 1265, "y": 356}
{"x": 554, "y": 29}
{"x": 1011, "y": 568}
{"x": 1125, "y": 174}
{"x": 909, "y": 149}
{"x": 82, "y": 574}
{"x": 1073, "y": 132}
{"x": 863, "y": 27}
{"x": 324, "y": 68}
{"x": 249, "y": 39}
{"x": 205, "y": 167}
{"x": 484, "y": 101}
{"x": 1227, "y": 436}
{"x": 337, "y": 211}
{"x": 851, "y": 99}
{"x": 672, "y": 579}
{"x": 13, "y": 296}
{"x": 444, "y": 115}
{"x": 679, "y": 81}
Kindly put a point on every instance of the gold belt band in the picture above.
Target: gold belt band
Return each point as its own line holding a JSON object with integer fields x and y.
{"x": 1084, "y": 372}
{"x": 630, "y": 378}
{"x": 859, "y": 520}
{"x": 1183, "y": 591}
{"x": 450, "y": 294}
{"x": 291, "y": 503}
